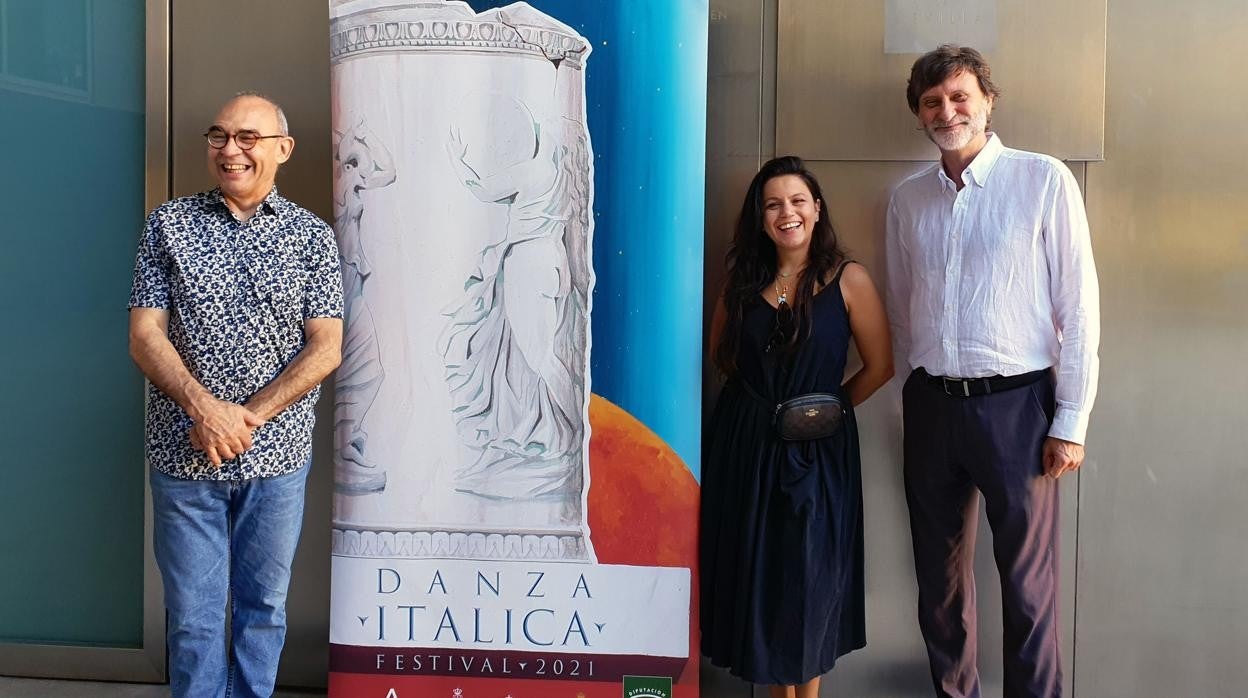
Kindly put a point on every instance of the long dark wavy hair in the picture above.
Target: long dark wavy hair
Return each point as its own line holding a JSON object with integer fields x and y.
{"x": 751, "y": 263}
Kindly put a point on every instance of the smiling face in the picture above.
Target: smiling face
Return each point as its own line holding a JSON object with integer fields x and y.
{"x": 246, "y": 176}
{"x": 954, "y": 114}
{"x": 789, "y": 212}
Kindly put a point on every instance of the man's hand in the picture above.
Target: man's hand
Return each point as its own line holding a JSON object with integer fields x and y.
{"x": 223, "y": 430}
{"x": 1061, "y": 457}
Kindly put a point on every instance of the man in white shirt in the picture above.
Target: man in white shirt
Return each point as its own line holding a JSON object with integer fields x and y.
{"x": 993, "y": 302}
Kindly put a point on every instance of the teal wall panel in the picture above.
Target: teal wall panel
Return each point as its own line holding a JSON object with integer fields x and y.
{"x": 71, "y": 402}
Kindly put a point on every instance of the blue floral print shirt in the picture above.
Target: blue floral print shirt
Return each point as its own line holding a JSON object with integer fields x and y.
{"x": 237, "y": 295}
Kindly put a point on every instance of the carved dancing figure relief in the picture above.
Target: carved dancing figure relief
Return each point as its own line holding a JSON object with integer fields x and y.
{"x": 361, "y": 162}
{"x": 515, "y": 345}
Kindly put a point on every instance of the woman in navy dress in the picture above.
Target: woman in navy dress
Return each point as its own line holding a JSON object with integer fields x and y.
{"x": 781, "y": 547}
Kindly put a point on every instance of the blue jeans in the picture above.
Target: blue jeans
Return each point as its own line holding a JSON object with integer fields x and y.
{"x": 218, "y": 539}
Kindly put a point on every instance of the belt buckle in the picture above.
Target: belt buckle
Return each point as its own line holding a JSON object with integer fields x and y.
{"x": 966, "y": 386}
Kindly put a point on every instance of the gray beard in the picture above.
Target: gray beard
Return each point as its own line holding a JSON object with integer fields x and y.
{"x": 959, "y": 139}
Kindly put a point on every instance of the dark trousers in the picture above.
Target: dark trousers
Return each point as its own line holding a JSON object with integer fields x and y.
{"x": 993, "y": 444}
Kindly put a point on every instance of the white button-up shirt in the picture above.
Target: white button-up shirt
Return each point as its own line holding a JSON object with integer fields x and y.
{"x": 998, "y": 278}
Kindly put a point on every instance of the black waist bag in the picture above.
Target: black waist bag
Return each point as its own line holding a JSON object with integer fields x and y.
{"x": 809, "y": 416}
{"x": 805, "y": 417}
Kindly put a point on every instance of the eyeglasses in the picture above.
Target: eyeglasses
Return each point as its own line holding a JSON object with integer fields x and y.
{"x": 246, "y": 140}
{"x": 783, "y": 329}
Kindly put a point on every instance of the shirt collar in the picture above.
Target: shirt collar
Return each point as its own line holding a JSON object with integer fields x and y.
{"x": 981, "y": 166}
{"x": 273, "y": 204}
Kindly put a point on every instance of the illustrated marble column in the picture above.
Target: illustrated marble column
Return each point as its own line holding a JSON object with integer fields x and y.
{"x": 463, "y": 189}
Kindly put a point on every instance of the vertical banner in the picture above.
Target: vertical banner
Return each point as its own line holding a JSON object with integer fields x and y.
{"x": 518, "y": 198}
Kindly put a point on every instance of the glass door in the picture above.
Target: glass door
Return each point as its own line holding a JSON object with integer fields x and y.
{"x": 73, "y": 146}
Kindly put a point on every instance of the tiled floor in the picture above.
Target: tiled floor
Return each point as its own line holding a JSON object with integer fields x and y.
{"x": 40, "y": 688}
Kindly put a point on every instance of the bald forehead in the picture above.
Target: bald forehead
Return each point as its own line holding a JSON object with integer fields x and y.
{"x": 250, "y": 112}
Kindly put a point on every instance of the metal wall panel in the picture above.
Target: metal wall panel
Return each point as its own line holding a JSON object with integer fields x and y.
{"x": 739, "y": 121}
{"x": 1162, "y": 567}
{"x": 840, "y": 96}
{"x": 738, "y": 114}
{"x": 279, "y": 48}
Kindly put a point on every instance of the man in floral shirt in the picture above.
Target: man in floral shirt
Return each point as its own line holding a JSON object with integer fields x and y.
{"x": 235, "y": 318}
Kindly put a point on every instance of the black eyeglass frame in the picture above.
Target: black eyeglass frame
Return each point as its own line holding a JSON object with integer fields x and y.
{"x": 253, "y": 136}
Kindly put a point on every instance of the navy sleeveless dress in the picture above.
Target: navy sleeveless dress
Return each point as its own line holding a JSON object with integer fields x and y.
{"x": 781, "y": 540}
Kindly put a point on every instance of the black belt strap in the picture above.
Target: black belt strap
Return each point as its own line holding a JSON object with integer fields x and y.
{"x": 972, "y": 387}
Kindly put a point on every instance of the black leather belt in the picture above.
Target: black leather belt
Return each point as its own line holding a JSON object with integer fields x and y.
{"x": 971, "y": 387}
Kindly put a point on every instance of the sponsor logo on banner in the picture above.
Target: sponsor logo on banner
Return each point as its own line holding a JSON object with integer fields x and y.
{"x": 647, "y": 687}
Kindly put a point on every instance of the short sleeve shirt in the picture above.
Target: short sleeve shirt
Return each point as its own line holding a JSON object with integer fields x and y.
{"x": 237, "y": 295}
